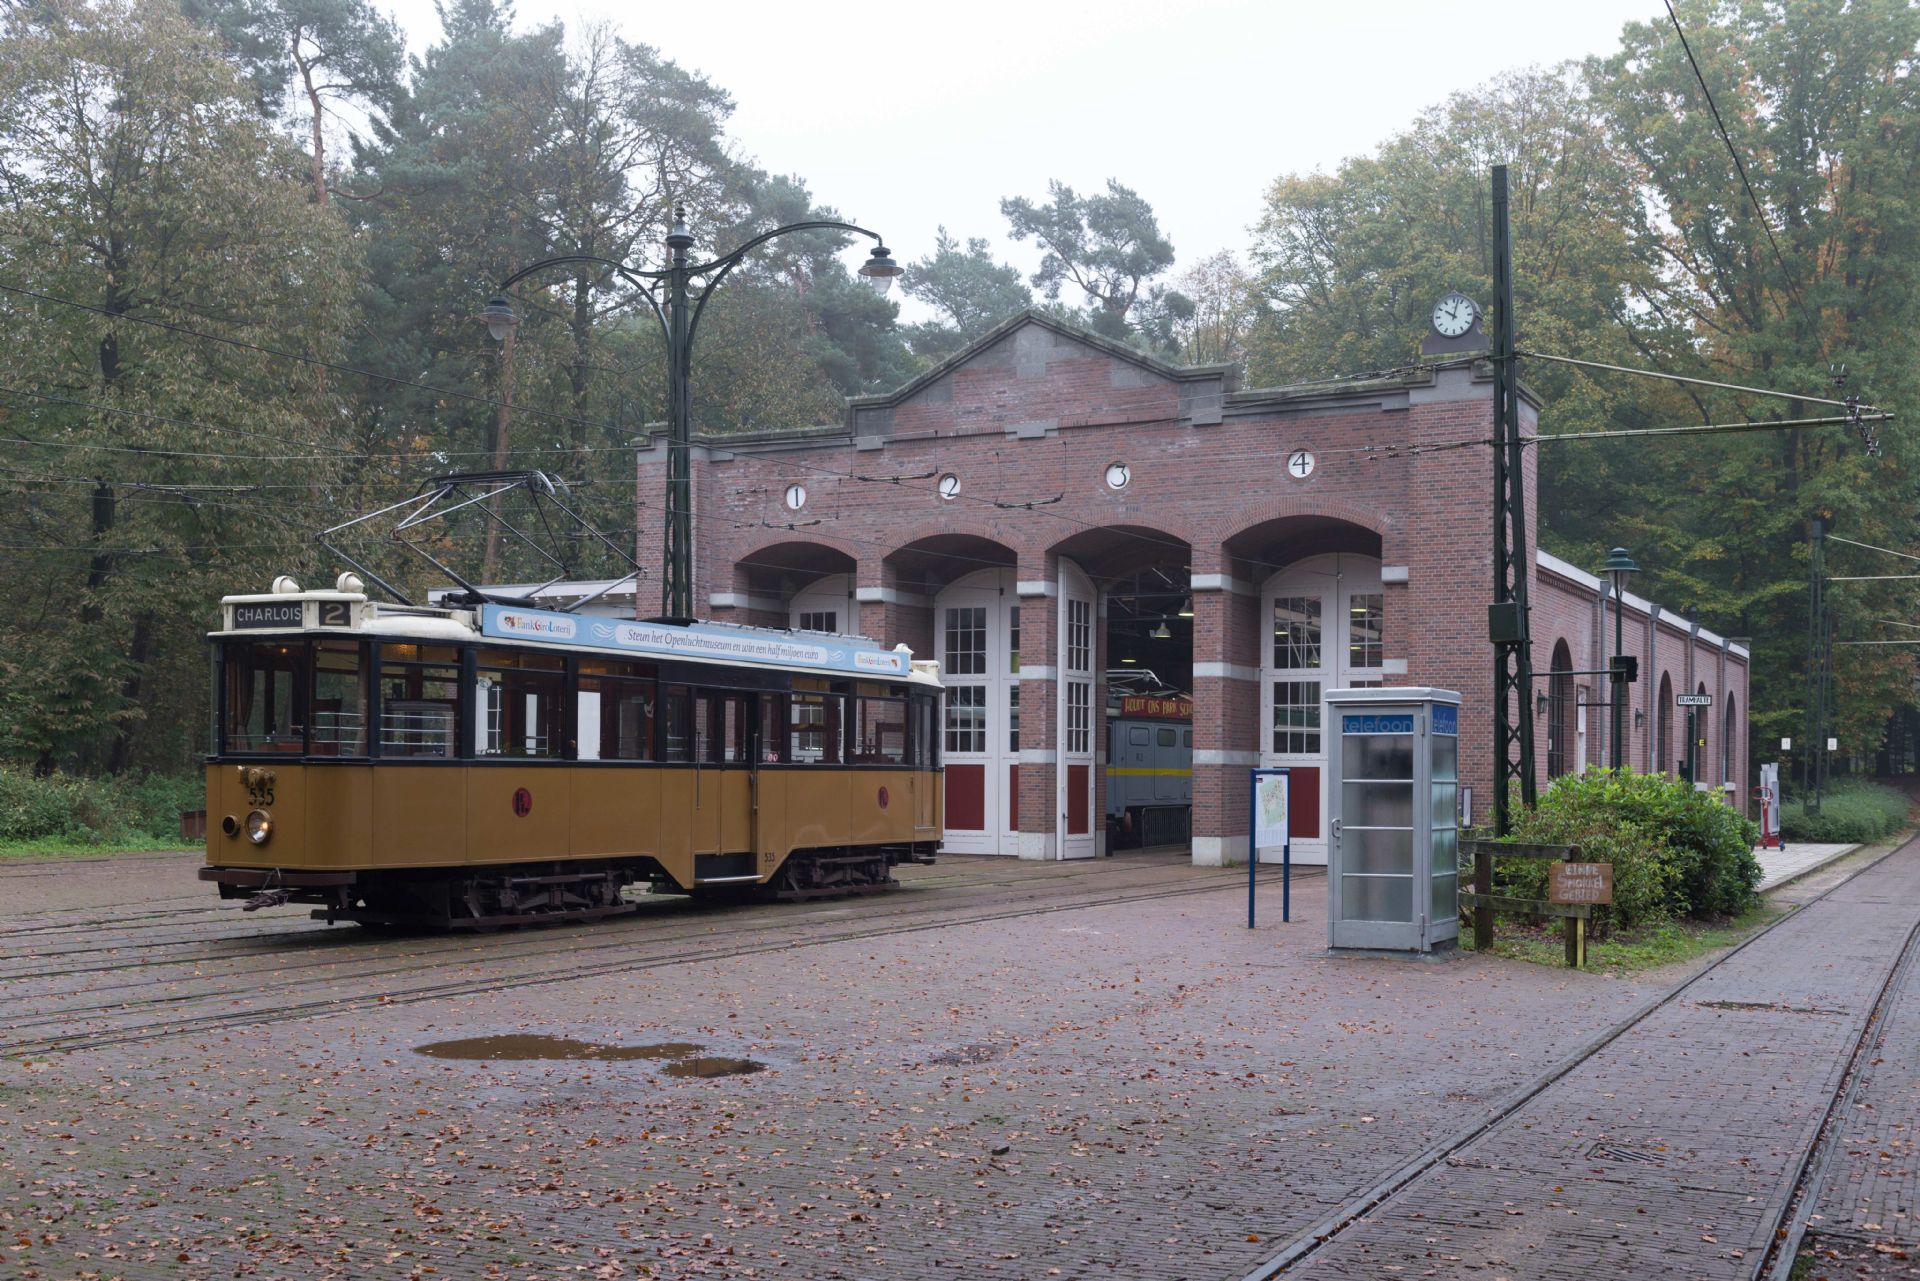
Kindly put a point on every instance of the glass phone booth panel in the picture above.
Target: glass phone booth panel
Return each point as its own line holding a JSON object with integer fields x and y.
{"x": 1394, "y": 847}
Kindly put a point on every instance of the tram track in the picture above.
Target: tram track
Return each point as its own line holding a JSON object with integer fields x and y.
{"x": 653, "y": 952}
{"x": 1788, "y": 1227}
{"x": 232, "y": 945}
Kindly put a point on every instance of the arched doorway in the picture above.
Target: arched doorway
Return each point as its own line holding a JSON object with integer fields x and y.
{"x": 1662, "y": 726}
{"x": 1326, "y": 619}
{"x": 1561, "y": 713}
{"x": 1728, "y": 737}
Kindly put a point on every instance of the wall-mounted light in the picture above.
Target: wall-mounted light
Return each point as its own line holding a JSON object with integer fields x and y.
{"x": 1540, "y": 702}
{"x": 1639, "y": 718}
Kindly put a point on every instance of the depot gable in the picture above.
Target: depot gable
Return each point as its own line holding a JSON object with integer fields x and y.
{"x": 1031, "y": 376}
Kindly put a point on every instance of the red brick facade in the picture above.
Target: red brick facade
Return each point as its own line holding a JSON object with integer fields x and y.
{"x": 1028, "y": 421}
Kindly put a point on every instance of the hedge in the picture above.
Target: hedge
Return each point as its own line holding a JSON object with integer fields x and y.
{"x": 95, "y": 811}
{"x": 1676, "y": 852}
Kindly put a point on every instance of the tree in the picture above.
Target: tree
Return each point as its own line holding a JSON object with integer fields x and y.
{"x": 1349, "y": 264}
{"x": 971, "y": 292}
{"x": 321, "y": 51}
{"x": 152, "y": 469}
{"x": 1221, "y": 293}
{"x": 1823, "y": 103}
{"x": 1108, "y": 246}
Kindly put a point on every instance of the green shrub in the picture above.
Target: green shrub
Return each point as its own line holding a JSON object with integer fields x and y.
{"x": 90, "y": 811}
{"x": 1675, "y": 851}
{"x": 1853, "y": 812}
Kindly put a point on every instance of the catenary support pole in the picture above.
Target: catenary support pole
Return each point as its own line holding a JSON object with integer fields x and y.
{"x": 1508, "y": 623}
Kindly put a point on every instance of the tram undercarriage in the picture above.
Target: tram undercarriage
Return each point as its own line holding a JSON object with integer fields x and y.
{"x": 544, "y": 893}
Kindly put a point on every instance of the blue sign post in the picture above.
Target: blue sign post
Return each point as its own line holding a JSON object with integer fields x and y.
{"x": 1268, "y": 802}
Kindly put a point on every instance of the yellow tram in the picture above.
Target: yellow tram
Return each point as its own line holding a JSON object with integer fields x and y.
{"x": 471, "y": 767}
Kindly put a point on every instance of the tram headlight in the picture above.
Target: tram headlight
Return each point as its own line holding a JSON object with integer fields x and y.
{"x": 259, "y": 827}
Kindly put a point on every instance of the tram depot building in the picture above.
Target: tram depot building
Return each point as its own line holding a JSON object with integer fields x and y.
{"x": 1049, "y": 511}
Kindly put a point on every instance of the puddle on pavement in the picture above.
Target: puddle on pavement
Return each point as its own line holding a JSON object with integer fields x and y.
{"x": 710, "y": 1065}
{"x": 683, "y": 1058}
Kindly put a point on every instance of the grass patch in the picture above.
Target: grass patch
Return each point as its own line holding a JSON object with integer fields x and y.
{"x": 1853, "y": 812}
{"x": 1648, "y": 947}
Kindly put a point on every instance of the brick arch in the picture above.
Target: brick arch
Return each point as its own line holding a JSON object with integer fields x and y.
{"x": 1099, "y": 549}
{"x": 797, "y": 557}
{"x": 962, "y": 523}
{"x": 1269, "y": 510}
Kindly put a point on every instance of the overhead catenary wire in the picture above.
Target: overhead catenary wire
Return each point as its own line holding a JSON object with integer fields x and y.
{"x": 1740, "y": 165}
{"x": 1683, "y": 378}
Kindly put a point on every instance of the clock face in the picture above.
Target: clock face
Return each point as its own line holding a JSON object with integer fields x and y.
{"x": 949, "y": 486}
{"x": 1454, "y": 315}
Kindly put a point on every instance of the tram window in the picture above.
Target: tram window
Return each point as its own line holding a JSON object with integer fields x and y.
{"x": 266, "y": 697}
{"x": 615, "y": 719}
{"x": 1186, "y": 736}
{"x": 704, "y": 746}
{"x": 921, "y": 714}
{"x": 676, "y": 723}
{"x": 1137, "y": 735}
{"x": 728, "y": 743}
{"x": 518, "y": 696}
{"x": 419, "y": 709}
{"x": 881, "y": 737}
{"x": 339, "y": 699}
{"x": 816, "y": 732}
{"x": 773, "y": 721}
{"x": 1163, "y": 738}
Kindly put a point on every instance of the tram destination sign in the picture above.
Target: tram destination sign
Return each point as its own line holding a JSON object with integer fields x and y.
{"x": 746, "y": 644}
{"x": 288, "y": 613}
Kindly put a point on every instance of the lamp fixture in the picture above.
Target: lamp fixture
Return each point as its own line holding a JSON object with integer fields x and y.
{"x": 880, "y": 269}
{"x": 1186, "y": 608}
{"x": 1639, "y": 718}
{"x": 1618, "y": 569}
{"x": 1161, "y": 632}
{"x": 1540, "y": 702}
{"x": 499, "y": 317}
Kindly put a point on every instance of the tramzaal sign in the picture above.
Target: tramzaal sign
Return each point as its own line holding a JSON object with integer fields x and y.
{"x": 1154, "y": 707}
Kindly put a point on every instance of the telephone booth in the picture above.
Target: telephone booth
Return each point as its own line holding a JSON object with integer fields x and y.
{"x": 1394, "y": 855}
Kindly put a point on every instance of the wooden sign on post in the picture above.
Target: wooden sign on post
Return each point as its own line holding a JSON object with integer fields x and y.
{"x": 1580, "y": 883}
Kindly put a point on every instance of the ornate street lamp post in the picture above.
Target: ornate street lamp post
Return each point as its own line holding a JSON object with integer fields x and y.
{"x": 679, "y": 319}
{"x": 1618, "y": 569}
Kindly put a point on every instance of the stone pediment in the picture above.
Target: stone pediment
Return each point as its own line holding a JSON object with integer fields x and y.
{"x": 1032, "y": 375}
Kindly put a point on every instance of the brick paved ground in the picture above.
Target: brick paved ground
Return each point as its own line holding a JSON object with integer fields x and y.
{"x": 1673, "y": 1150}
{"x": 1866, "y": 1216}
{"x": 1166, "y": 1087}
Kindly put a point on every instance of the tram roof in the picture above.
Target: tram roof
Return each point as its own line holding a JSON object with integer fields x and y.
{"x": 722, "y": 644}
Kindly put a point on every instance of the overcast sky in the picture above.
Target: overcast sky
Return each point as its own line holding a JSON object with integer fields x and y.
{"x": 906, "y": 118}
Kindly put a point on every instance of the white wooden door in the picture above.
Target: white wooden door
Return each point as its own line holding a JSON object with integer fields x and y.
{"x": 1077, "y": 719}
